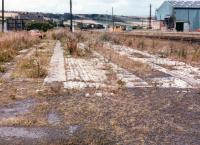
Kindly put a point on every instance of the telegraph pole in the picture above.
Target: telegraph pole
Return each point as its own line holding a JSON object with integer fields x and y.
{"x": 113, "y": 19}
{"x": 150, "y": 17}
{"x": 71, "y": 17}
{"x": 2, "y": 15}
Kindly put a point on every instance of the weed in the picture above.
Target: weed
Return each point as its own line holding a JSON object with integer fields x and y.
{"x": 121, "y": 83}
{"x": 124, "y": 62}
{"x": 14, "y": 42}
{"x": 141, "y": 44}
{"x": 154, "y": 43}
{"x": 13, "y": 97}
{"x": 130, "y": 43}
{"x": 105, "y": 37}
{"x": 57, "y": 34}
{"x": 2, "y": 69}
{"x": 35, "y": 67}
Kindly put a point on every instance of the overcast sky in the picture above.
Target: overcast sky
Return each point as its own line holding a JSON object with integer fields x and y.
{"x": 121, "y": 7}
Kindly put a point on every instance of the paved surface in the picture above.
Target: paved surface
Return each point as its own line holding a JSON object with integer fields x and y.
{"x": 131, "y": 80}
{"x": 56, "y": 71}
{"x": 182, "y": 75}
{"x": 80, "y": 73}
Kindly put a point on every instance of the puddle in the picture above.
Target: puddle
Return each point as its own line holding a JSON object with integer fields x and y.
{"x": 13, "y": 133}
{"x": 54, "y": 119}
{"x": 17, "y": 108}
{"x": 74, "y": 128}
{"x": 21, "y": 132}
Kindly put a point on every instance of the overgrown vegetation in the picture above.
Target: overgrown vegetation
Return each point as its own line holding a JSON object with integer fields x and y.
{"x": 122, "y": 60}
{"x": 70, "y": 42}
{"x": 12, "y": 43}
{"x": 180, "y": 50}
{"x": 35, "y": 66}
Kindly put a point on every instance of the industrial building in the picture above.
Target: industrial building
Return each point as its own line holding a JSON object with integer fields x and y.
{"x": 5, "y": 25}
{"x": 180, "y": 15}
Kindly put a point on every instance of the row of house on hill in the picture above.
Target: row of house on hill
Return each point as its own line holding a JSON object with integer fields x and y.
{"x": 180, "y": 15}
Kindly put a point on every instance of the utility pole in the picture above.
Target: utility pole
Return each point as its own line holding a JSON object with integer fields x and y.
{"x": 2, "y": 15}
{"x": 113, "y": 19}
{"x": 107, "y": 23}
{"x": 160, "y": 22}
{"x": 150, "y": 17}
{"x": 71, "y": 17}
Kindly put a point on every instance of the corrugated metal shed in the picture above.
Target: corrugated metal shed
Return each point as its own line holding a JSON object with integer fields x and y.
{"x": 185, "y": 4}
{"x": 185, "y": 13}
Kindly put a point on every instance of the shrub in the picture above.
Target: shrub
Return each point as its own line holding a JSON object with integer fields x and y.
{"x": 42, "y": 26}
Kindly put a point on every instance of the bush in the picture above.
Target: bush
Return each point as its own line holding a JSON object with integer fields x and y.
{"x": 42, "y": 26}
{"x": 137, "y": 27}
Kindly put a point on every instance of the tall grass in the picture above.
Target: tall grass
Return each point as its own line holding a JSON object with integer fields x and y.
{"x": 11, "y": 43}
{"x": 180, "y": 50}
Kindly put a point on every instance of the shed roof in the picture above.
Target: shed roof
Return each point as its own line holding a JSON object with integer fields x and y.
{"x": 185, "y": 4}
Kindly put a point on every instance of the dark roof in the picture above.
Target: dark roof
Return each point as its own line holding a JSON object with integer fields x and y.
{"x": 185, "y": 4}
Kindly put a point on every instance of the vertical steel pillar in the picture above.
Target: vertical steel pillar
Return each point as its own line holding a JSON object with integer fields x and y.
{"x": 2, "y": 15}
{"x": 113, "y": 19}
{"x": 71, "y": 17}
{"x": 150, "y": 18}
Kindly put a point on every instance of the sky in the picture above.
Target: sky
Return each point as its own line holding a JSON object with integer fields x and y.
{"x": 121, "y": 7}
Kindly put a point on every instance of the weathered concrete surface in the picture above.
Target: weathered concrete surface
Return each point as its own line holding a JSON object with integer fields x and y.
{"x": 56, "y": 71}
{"x": 83, "y": 73}
{"x": 189, "y": 75}
{"x": 131, "y": 80}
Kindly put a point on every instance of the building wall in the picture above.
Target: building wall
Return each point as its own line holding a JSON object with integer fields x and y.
{"x": 5, "y": 26}
{"x": 165, "y": 10}
{"x": 16, "y": 24}
{"x": 189, "y": 15}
